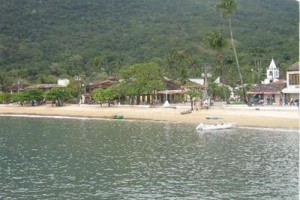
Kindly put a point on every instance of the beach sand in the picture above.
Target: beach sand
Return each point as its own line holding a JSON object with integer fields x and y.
{"x": 242, "y": 116}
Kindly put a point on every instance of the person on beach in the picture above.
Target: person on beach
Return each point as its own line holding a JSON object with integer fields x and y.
{"x": 268, "y": 100}
{"x": 280, "y": 101}
{"x": 206, "y": 104}
{"x": 285, "y": 101}
{"x": 201, "y": 104}
{"x": 291, "y": 101}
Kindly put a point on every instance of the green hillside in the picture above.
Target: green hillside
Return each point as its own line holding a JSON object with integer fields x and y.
{"x": 44, "y": 39}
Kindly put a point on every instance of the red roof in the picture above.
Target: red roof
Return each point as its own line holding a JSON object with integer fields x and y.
{"x": 271, "y": 88}
{"x": 103, "y": 84}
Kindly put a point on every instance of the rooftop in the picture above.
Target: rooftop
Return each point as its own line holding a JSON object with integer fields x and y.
{"x": 271, "y": 88}
{"x": 294, "y": 67}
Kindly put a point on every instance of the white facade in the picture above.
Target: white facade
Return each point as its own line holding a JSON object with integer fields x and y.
{"x": 272, "y": 73}
{"x": 63, "y": 82}
{"x": 199, "y": 81}
{"x": 292, "y": 90}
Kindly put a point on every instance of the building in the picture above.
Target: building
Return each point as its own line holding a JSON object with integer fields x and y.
{"x": 172, "y": 94}
{"x": 268, "y": 91}
{"x": 43, "y": 87}
{"x": 292, "y": 87}
{"x": 63, "y": 82}
{"x": 270, "y": 88}
{"x": 103, "y": 84}
{"x": 272, "y": 74}
{"x": 16, "y": 88}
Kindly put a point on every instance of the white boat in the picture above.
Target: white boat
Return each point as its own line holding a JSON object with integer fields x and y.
{"x": 215, "y": 126}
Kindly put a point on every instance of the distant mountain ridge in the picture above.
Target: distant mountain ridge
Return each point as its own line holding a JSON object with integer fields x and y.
{"x": 54, "y": 38}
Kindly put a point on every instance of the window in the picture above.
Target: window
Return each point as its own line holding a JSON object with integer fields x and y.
{"x": 294, "y": 79}
{"x": 276, "y": 74}
{"x": 271, "y": 74}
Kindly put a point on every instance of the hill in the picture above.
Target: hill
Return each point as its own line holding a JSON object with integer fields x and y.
{"x": 42, "y": 40}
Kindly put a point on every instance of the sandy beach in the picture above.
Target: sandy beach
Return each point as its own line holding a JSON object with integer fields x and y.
{"x": 264, "y": 117}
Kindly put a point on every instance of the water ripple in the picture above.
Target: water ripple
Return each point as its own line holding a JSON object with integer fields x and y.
{"x": 64, "y": 159}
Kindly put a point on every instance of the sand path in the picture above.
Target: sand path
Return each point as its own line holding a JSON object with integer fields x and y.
{"x": 242, "y": 116}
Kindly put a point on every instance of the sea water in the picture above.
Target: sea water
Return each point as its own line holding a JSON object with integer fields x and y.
{"x": 48, "y": 158}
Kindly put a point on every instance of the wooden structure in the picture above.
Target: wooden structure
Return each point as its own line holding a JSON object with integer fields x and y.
{"x": 173, "y": 93}
{"x": 271, "y": 90}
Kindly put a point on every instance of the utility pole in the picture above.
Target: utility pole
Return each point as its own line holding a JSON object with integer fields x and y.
{"x": 78, "y": 79}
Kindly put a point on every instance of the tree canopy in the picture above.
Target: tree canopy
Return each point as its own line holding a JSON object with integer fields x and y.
{"x": 142, "y": 78}
{"x": 59, "y": 95}
{"x": 104, "y": 95}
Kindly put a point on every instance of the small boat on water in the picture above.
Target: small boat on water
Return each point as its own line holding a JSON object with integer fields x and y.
{"x": 118, "y": 117}
{"x": 215, "y": 126}
{"x": 213, "y": 117}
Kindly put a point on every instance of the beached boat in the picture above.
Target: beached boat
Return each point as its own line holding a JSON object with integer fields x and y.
{"x": 215, "y": 126}
{"x": 186, "y": 112}
{"x": 213, "y": 117}
{"x": 118, "y": 117}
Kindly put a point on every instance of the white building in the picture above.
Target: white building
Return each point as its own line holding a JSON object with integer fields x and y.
{"x": 271, "y": 87}
{"x": 292, "y": 76}
{"x": 199, "y": 81}
{"x": 272, "y": 73}
{"x": 63, "y": 82}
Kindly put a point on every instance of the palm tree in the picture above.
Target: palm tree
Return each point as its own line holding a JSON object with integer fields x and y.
{"x": 217, "y": 42}
{"x": 226, "y": 9}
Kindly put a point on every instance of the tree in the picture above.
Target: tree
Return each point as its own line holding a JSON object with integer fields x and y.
{"x": 18, "y": 97}
{"x": 2, "y": 79}
{"x": 58, "y": 95}
{"x": 194, "y": 92}
{"x": 104, "y": 95}
{"x": 74, "y": 87}
{"x": 257, "y": 55}
{"x": 221, "y": 91}
{"x": 28, "y": 96}
{"x": 217, "y": 42}
{"x": 5, "y": 97}
{"x": 74, "y": 64}
{"x": 34, "y": 95}
{"x": 178, "y": 62}
{"x": 142, "y": 78}
{"x": 226, "y": 9}
{"x": 120, "y": 90}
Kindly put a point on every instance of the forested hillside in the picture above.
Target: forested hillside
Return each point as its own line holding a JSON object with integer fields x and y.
{"x": 45, "y": 39}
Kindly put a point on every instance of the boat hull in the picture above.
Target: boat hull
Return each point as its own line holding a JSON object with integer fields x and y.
{"x": 215, "y": 126}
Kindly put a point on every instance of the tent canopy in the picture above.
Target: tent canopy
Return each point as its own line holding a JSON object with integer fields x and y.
{"x": 291, "y": 90}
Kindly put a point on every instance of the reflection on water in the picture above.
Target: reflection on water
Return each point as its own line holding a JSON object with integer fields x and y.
{"x": 94, "y": 159}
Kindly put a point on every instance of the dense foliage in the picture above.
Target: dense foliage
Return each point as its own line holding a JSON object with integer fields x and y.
{"x": 104, "y": 96}
{"x": 32, "y": 96}
{"x": 142, "y": 78}
{"x": 58, "y": 95}
{"x": 43, "y": 40}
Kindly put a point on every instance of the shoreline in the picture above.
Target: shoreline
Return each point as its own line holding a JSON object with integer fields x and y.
{"x": 252, "y": 118}
{"x": 283, "y": 129}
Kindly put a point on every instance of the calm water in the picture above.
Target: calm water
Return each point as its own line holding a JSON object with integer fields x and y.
{"x": 98, "y": 159}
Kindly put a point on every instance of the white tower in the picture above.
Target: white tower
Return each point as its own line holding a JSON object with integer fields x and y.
{"x": 272, "y": 73}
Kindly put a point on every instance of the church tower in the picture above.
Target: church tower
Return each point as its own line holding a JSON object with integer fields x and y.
{"x": 272, "y": 73}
